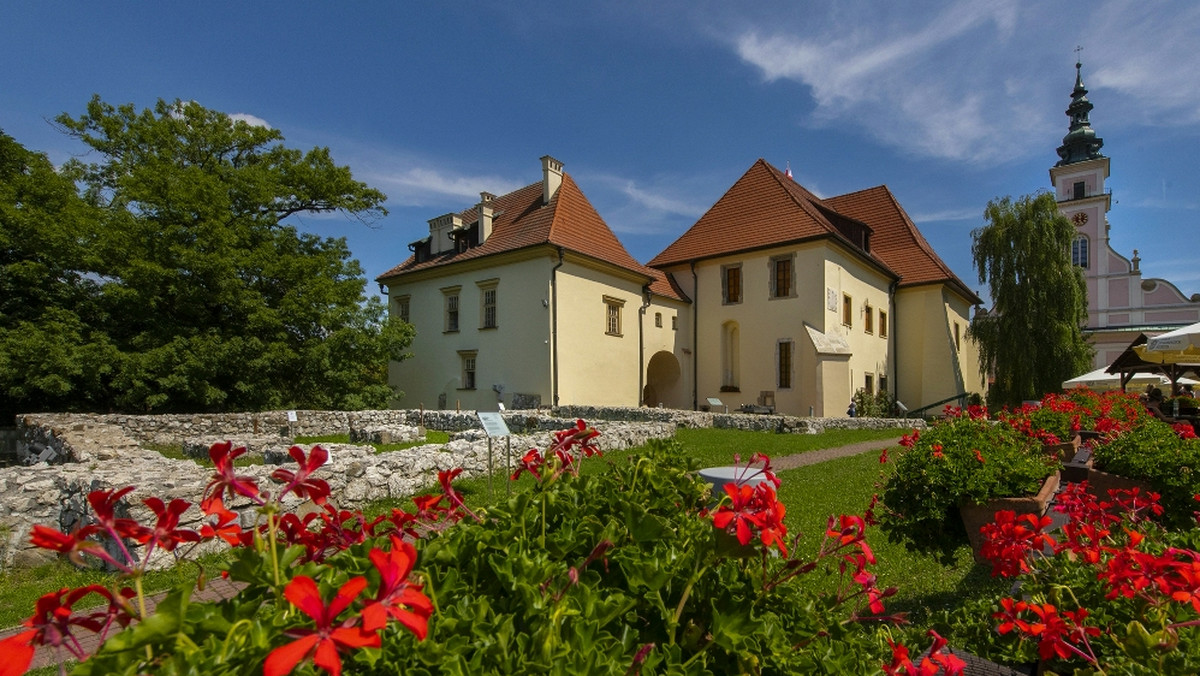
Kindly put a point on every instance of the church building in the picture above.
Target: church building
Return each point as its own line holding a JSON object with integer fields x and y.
{"x": 1121, "y": 303}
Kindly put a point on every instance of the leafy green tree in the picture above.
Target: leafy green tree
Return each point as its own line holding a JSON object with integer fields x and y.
{"x": 52, "y": 356}
{"x": 179, "y": 286}
{"x": 1033, "y": 338}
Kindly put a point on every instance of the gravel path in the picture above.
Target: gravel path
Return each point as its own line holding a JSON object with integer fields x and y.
{"x": 813, "y": 457}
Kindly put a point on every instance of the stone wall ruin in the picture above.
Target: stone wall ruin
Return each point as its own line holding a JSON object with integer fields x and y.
{"x": 65, "y": 456}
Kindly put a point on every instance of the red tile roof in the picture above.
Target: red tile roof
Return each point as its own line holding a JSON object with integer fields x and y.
{"x": 765, "y": 208}
{"x": 520, "y": 220}
{"x": 897, "y": 241}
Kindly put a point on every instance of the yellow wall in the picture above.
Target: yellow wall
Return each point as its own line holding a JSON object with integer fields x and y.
{"x": 821, "y": 384}
{"x": 594, "y": 367}
{"x": 931, "y": 367}
{"x": 515, "y": 355}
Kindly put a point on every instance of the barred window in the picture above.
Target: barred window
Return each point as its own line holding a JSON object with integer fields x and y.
{"x": 489, "y": 308}
{"x": 452, "y": 312}
{"x": 612, "y": 310}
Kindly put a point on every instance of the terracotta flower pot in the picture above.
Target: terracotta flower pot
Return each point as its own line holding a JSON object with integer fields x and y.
{"x": 976, "y": 516}
{"x": 1099, "y": 483}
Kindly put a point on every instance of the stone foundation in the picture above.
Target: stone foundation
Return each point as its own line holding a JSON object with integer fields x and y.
{"x": 68, "y": 455}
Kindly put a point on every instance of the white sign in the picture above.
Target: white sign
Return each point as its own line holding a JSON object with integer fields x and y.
{"x": 292, "y": 416}
{"x": 493, "y": 424}
{"x": 713, "y": 401}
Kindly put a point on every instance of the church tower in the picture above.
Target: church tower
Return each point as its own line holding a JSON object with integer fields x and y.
{"x": 1121, "y": 304}
{"x": 1078, "y": 181}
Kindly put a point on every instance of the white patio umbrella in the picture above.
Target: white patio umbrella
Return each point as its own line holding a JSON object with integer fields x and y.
{"x": 1100, "y": 380}
{"x": 1185, "y": 339}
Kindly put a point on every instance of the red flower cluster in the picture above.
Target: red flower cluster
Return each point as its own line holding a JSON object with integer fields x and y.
{"x": 396, "y": 598}
{"x": 933, "y": 664}
{"x": 753, "y": 510}
{"x": 563, "y": 451}
{"x": 1059, "y": 634}
{"x": 1011, "y": 540}
{"x": 1107, "y": 535}
{"x": 321, "y": 534}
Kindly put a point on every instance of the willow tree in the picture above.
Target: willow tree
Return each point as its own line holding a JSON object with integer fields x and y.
{"x": 1032, "y": 340}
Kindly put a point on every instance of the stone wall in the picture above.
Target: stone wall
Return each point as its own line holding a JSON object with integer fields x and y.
{"x": 55, "y": 494}
{"x": 783, "y": 424}
{"x": 69, "y": 455}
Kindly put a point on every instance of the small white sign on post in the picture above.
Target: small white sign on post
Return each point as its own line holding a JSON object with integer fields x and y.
{"x": 493, "y": 424}
{"x": 292, "y": 416}
{"x": 714, "y": 402}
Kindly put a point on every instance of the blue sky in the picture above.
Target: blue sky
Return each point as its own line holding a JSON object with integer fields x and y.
{"x": 657, "y": 108}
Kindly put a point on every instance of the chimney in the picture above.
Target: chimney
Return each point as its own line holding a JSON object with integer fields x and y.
{"x": 552, "y": 174}
{"x": 439, "y": 232}
{"x": 485, "y": 216}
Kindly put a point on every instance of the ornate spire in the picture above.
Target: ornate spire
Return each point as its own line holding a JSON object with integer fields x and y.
{"x": 1081, "y": 142}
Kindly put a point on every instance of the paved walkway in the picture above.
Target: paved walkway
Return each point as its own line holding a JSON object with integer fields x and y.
{"x": 218, "y": 589}
{"x": 813, "y": 457}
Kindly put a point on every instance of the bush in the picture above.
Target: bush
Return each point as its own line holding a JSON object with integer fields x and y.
{"x": 1156, "y": 453}
{"x": 874, "y": 405}
{"x": 963, "y": 458}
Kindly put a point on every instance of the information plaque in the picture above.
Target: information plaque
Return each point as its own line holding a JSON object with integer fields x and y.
{"x": 493, "y": 425}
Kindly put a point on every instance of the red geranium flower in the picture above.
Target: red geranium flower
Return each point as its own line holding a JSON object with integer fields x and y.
{"x": 325, "y": 642}
{"x": 298, "y": 482}
{"x": 223, "y": 454}
{"x": 397, "y": 597}
{"x": 104, "y": 503}
{"x": 531, "y": 462}
{"x": 167, "y": 533}
{"x": 72, "y": 545}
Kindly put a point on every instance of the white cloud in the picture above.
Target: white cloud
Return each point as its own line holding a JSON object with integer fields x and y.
{"x": 978, "y": 82}
{"x": 251, "y": 120}
{"x": 421, "y": 185}
{"x": 971, "y": 214}
{"x": 656, "y": 197}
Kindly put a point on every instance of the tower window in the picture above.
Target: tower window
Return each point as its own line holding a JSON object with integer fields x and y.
{"x": 1079, "y": 190}
{"x": 1079, "y": 252}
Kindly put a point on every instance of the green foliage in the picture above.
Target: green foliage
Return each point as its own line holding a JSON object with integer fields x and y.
{"x": 1032, "y": 340}
{"x": 966, "y": 458}
{"x": 1154, "y": 452}
{"x": 51, "y": 355}
{"x": 873, "y": 405}
{"x": 175, "y": 283}
{"x": 524, "y": 591}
